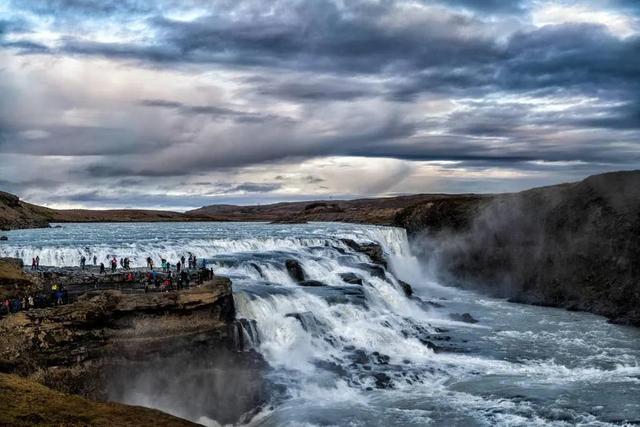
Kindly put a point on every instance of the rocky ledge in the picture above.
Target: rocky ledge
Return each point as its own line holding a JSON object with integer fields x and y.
{"x": 182, "y": 352}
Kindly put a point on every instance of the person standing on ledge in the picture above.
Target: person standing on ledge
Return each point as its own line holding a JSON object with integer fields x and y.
{"x": 37, "y": 262}
{"x": 102, "y": 271}
{"x": 95, "y": 260}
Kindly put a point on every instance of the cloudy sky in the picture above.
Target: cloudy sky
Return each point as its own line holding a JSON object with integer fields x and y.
{"x": 177, "y": 104}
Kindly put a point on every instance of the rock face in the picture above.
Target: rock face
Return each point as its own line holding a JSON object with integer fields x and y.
{"x": 14, "y": 213}
{"x": 572, "y": 245}
{"x": 179, "y": 350}
{"x": 295, "y": 270}
{"x": 13, "y": 280}
{"x": 372, "y": 250}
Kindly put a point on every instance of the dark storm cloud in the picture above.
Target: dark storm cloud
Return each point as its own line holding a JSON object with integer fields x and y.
{"x": 83, "y": 8}
{"x": 470, "y": 81}
{"x": 313, "y": 36}
{"x": 310, "y": 90}
{"x": 212, "y": 110}
{"x": 252, "y": 187}
{"x": 490, "y": 6}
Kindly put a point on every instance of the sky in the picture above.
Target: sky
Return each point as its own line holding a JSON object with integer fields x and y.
{"x": 177, "y": 104}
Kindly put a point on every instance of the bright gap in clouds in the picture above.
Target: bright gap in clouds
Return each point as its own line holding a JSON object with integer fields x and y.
{"x": 620, "y": 24}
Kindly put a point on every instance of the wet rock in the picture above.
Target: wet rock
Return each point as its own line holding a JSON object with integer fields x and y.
{"x": 257, "y": 268}
{"x": 359, "y": 357}
{"x": 380, "y": 359}
{"x": 372, "y": 250}
{"x": 4, "y": 238}
{"x": 339, "y": 294}
{"x": 465, "y": 317}
{"x": 406, "y": 288}
{"x": 309, "y": 322}
{"x": 351, "y": 278}
{"x": 295, "y": 270}
{"x": 383, "y": 381}
{"x": 374, "y": 270}
{"x": 332, "y": 367}
{"x": 311, "y": 283}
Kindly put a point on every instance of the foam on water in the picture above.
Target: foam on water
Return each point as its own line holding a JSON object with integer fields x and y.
{"x": 362, "y": 355}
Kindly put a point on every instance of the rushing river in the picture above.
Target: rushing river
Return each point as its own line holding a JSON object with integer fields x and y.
{"x": 362, "y": 355}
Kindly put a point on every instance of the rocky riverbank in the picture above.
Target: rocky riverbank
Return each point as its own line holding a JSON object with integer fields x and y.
{"x": 181, "y": 351}
{"x": 575, "y": 245}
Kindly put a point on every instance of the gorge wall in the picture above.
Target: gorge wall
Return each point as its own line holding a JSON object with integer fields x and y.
{"x": 573, "y": 245}
{"x": 183, "y": 352}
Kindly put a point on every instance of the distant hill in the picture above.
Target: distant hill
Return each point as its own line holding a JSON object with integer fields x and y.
{"x": 15, "y": 213}
{"x": 371, "y": 211}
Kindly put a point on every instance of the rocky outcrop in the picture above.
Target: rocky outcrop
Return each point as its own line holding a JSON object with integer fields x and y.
{"x": 14, "y": 213}
{"x": 180, "y": 350}
{"x": 295, "y": 270}
{"x": 573, "y": 245}
{"x": 373, "y": 250}
{"x": 13, "y": 281}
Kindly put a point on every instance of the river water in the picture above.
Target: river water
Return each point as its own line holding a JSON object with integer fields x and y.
{"x": 366, "y": 355}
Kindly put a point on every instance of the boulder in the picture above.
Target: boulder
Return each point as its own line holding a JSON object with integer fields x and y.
{"x": 295, "y": 270}
{"x": 372, "y": 250}
{"x": 406, "y": 288}
{"x": 351, "y": 278}
{"x": 465, "y": 317}
{"x": 4, "y": 238}
{"x": 313, "y": 283}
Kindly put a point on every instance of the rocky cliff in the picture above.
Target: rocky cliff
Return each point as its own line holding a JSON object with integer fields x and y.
{"x": 14, "y": 213}
{"x": 572, "y": 245}
{"x": 182, "y": 352}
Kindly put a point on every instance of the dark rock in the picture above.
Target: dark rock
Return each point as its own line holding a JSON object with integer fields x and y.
{"x": 465, "y": 317}
{"x": 295, "y": 270}
{"x": 312, "y": 283}
{"x": 351, "y": 278}
{"x": 4, "y": 238}
{"x": 372, "y": 250}
{"x": 374, "y": 270}
{"x": 309, "y": 322}
{"x": 257, "y": 268}
{"x": 359, "y": 357}
{"x": 332, "y": 367}
{"x": 383, "y": 381}
{"x": 406, "y": 288}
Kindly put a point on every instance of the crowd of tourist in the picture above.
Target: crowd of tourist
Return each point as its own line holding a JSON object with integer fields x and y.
{"x": 171, "y": 277}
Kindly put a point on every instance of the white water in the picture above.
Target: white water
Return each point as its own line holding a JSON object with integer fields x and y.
{"x": 356, "y": 355}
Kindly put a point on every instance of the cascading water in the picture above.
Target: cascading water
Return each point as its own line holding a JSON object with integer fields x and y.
{"x": 352, "y": 349}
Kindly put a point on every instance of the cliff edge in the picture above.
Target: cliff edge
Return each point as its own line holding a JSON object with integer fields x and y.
{"x": 575, "y": 245}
